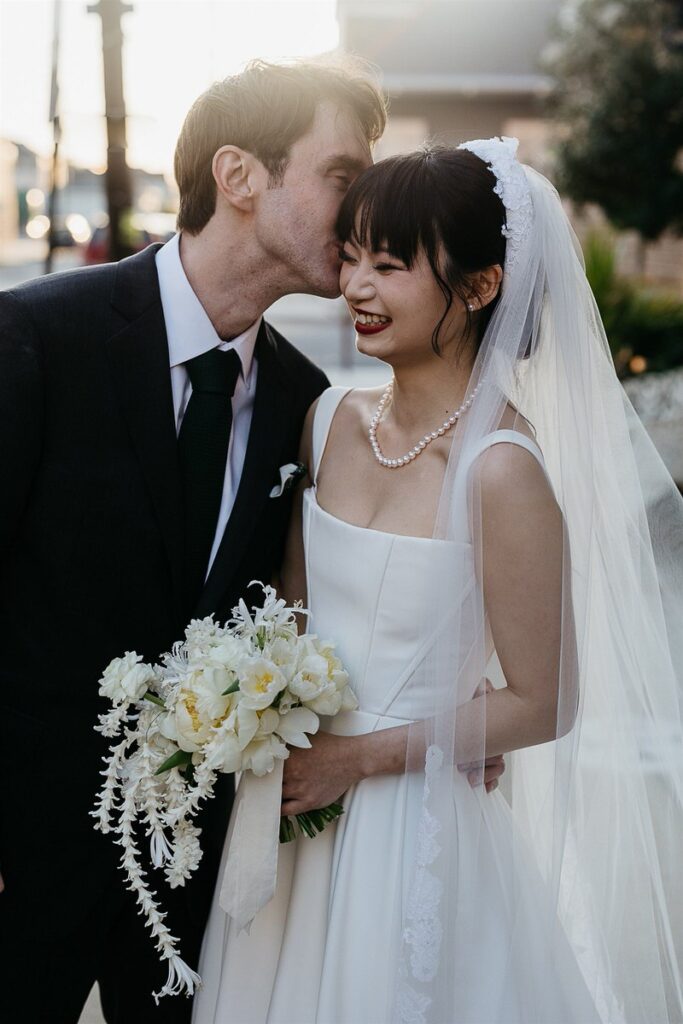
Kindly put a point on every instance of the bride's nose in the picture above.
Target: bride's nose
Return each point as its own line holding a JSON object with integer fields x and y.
{"x": 358, "y": 284}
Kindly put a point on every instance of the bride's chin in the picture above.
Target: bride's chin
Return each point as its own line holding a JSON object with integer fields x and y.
{"x": 372, "y": 347}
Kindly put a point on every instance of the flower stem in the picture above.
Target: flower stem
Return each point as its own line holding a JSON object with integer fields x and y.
{"x": 310, "y": 824}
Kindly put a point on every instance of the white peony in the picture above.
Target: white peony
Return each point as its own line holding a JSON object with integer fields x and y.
{"x": 311, "y": 678}
{"x": 292, "y": 728}
{"x": 226, "y": 754}
{"x": 260, "y": 683}
{"x": 259, "y": 757}
{"x": 283, "y": 653}
{"x": 269, "y": 721}
{"x": 200, "y": 707}
{"x": 210, "y": 684}
{"x": 126, "y": 678}
{"x": 229, "y": 651}
{"x": 184, "y": 723}
{"x": 321, "y": 683}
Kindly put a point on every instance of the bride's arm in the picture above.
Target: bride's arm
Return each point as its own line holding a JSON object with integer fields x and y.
{"x": 526, "y": 590}
{"x": 525, "y": 586}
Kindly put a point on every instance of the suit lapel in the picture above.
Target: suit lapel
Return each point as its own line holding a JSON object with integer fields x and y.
{"x": 138, "y": 355}
{"x": 261, "y": 464}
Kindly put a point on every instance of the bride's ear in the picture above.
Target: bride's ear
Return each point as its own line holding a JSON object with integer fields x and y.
{"x": 238, "y": 175}
{"x": 484, "y": 285}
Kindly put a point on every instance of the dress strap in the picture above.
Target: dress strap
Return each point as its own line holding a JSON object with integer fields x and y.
{"x": 322, "y": 421}
{"x": 510, "y": 437}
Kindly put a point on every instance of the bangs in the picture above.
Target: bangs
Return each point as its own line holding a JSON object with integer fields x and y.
{"x": 390, "y": 206}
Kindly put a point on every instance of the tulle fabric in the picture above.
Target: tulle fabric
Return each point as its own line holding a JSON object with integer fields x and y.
{"x": 596, "y": 817}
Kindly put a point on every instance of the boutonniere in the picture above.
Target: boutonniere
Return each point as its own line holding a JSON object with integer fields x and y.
{"x": 289, "y": 477}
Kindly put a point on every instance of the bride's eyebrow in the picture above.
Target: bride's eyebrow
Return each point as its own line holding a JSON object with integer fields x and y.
{"x": 383, "y": 251}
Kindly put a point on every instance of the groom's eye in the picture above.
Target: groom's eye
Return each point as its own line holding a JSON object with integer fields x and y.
{"x": 343, "y": 182}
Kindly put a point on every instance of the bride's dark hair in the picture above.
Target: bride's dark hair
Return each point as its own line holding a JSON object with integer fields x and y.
{"x": 437, "y": 199}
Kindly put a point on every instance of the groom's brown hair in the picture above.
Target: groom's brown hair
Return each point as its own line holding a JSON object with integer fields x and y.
{"x": 264, "y": 110}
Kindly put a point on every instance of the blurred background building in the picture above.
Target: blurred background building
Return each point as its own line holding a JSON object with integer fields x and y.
{"x": 593, "y": 89}
{"x": 454, "y": 71}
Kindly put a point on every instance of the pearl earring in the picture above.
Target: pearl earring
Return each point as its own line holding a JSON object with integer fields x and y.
{"x": 470, "y": 306}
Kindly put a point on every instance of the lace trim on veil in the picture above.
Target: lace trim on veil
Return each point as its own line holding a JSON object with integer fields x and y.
{"x": 423, "y": 930}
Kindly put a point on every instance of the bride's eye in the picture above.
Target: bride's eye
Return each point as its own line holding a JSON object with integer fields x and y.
{"x": 345, "y": 256}
{"x": 383, "y": 267}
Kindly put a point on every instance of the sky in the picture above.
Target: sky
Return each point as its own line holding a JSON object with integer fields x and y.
{"x": 173, "y": 49}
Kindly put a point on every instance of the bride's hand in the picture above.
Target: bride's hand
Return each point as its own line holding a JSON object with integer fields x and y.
{"x": 319, "y": 776}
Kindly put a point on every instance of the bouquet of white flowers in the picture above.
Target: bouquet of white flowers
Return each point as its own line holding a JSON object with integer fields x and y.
{"x": 226, "y": 699}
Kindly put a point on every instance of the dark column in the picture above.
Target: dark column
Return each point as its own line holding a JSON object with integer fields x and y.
{"x": 119, "y": 189}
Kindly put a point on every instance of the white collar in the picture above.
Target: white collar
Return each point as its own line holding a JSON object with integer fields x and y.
{"x": 188, "y": 328}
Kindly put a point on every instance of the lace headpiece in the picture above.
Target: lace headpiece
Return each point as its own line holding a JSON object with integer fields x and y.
{"x": 500, "y": 155}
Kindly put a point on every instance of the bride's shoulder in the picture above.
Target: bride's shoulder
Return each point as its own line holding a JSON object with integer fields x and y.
{"x": 361, "y": 402}
{"x": 351, "y": 409}
{"x": 511, "y": 466}
{"x": 342, "y": 410}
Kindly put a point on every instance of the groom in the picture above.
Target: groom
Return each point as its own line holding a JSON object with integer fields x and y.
{"x": 145, "y": 409}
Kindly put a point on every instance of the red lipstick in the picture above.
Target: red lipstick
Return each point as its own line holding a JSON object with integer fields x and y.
{"x": 370, "y": 328}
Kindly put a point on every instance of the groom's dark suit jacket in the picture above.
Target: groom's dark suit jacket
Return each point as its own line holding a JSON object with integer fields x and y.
{"x": 91, "y": 551}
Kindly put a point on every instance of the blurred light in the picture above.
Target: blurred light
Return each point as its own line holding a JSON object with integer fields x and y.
{"x": 151, "y": 199}
{"x": 79, "y": 227}
{"x": 638, "y": 364}
{"x": 38, "y": 226}
{"x": 35, "y": 197}
{"x": 100, "y": 169}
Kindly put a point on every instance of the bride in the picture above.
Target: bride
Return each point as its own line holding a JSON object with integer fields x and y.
{"x": 496, "y": 511}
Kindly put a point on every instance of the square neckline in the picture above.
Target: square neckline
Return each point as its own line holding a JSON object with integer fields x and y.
{"x": 328, "y": 404}
{"x": 311, "y": 494}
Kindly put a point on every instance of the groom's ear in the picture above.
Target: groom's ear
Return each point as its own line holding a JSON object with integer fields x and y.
{"x": 238, "y": 175}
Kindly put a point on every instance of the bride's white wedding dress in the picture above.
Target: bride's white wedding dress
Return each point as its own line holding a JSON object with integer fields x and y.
{"x": 323, "y": 950}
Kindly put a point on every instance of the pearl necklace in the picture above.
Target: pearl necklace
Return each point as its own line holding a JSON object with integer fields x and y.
{"x": 404, "y": 460}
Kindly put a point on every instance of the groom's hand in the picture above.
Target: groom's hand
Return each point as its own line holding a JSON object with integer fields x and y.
{"x": 319, "y": 776}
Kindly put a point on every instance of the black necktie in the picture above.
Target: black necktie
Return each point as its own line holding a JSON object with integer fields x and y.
{"x": 203, "y": 451}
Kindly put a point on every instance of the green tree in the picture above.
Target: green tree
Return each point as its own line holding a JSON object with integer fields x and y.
{"x": 644, "y": 328}
{"x": 618, "y": 68}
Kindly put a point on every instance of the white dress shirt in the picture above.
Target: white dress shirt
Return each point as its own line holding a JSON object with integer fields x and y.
{"x": 190, "y": 333}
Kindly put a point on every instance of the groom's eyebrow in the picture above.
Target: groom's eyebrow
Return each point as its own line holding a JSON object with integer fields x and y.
{"x": 343, "y": 162}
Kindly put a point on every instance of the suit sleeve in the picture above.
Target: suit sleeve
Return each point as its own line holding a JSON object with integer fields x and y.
{"x": 21, "y": 414}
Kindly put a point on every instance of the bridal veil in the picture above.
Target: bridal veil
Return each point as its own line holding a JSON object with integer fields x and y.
{"x": 596, "y": 816}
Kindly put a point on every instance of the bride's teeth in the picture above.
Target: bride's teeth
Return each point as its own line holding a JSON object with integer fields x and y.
{"x": 371, "y": 318}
